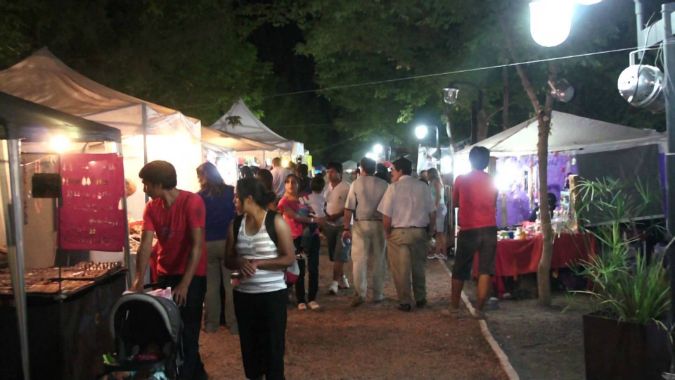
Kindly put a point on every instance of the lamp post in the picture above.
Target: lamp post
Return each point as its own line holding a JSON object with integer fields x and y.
{"x": 659, "y": 34}
{"x": 421, "y": 132}
{"x": 450, "y": 96}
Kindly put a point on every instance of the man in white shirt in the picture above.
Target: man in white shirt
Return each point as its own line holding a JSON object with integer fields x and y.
{"x": 367, "y": 233}
{"x": 408, "y": 215}
{"x": 279, "y": 175}
{"x": 336, "y": 195}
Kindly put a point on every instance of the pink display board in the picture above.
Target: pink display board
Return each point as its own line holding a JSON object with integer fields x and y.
{"x": 91, "y": 216}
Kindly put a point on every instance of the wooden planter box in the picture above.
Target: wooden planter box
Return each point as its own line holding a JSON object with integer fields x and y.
{"x": 619, "y": 350}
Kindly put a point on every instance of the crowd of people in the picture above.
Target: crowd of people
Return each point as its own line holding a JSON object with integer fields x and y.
{"x": 261, "y": 239}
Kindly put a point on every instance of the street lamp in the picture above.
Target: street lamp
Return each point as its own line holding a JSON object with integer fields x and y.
{"x": 450, "y": 97}
{"x": 378, "y": 149}
{"x": 421, "y": 131}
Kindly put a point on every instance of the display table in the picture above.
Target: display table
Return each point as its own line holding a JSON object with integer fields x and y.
{"x": 67, "y": 334}
{"x": 521, "y": 256}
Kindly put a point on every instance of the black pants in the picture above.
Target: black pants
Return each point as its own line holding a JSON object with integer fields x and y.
{"x": 311, "y": 248}
{"x": 191, "y": 314}
{"x": 261, "y": 318}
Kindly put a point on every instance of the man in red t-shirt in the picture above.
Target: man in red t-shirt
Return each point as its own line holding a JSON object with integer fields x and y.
{"x": 476, "y": 197}
{"x": 177, "y": 218}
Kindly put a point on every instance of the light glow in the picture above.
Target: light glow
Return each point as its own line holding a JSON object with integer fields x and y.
{"x": 551, "y": 21}
{"x": 378, "y": 149}
{"x": 371, "y": 155}
{"x": 285, "y": 162}
{"x": 421, "y": 131}
{"x": 588, "y": 2}
{"x": 446, "y": 165}
{"x": 60, "y": 143}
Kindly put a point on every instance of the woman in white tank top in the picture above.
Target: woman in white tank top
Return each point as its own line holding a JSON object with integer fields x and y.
{"x": 261, "y": 296}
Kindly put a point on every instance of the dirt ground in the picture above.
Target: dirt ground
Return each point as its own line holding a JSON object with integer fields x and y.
{"x": 373, "y": 341}
{"x": 541, "y": 342}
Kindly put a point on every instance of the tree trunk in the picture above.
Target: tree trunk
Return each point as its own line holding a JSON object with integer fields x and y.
{"x": 544, "y": 128}
{"x": 506, "y": 123}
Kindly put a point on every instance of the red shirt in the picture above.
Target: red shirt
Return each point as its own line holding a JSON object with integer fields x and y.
{"x": 476, "y": 196}
{"x": 173, "y": 227}
{"x": 296, "y": 227}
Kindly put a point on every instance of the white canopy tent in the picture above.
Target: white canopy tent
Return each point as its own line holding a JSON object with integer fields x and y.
{"x": 241, "y": 122}
{"x": 568, "y": 133}
{"x": 149, "y": 131}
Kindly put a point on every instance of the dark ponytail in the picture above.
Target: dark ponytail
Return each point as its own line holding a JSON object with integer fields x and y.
{"x": 256, "y": 189}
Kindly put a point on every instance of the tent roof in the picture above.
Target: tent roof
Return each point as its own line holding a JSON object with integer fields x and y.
{"x": 42, "y": 78}
{"x": 21, "y": 119}
{"x": 230, "y": 141}
{"x": 239, "y": 120}
{"x": 568, "y": 133}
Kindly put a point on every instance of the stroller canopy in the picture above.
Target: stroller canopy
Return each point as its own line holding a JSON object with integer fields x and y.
{"x": 138, "y": 308}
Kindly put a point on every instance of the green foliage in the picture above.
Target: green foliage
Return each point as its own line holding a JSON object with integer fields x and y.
{"x": 630, "y": 291}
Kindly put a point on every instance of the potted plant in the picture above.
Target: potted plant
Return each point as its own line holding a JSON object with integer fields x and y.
{"x": 625, "y": 338}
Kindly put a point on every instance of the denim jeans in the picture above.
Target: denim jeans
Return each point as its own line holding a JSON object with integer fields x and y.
{"x": 191, "y": 314}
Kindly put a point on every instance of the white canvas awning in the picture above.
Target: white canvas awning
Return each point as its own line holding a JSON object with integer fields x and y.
{"x": 570, "y": 133}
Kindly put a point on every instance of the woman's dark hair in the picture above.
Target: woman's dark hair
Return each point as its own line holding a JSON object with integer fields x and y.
{"x": 265, "y": 176}
{"x": 256, "y": 189}
{"x": 214, "y": 182}
{"x": 291, "y": 175}
{"x": 159, "y": 173}
{"x": 432, "y": 173}
{"x": 318, "y": 183}
{"x": 246, "y": 172}
{"x": 479, "y": 157}
{"x": 303, "y": 170}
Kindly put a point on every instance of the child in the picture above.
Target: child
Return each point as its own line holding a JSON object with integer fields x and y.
{"x": 315, "y": 202}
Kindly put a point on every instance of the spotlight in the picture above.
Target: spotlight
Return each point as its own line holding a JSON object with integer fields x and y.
{"x": 642, "y": 86}
{"x": 450, "y": 95}
{"x": 561, "y": 90}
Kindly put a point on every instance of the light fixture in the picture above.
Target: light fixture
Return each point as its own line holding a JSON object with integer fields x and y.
{"x": 450, "y": 95}
{"x": 378, "y": 149}
{"x": 59, "y": 143}
{"x": 551, "y": 21}
{"x": 561, "y": 90}
{"x": 371, "y": 155}
{"x": 421, "y": 131}
{"x": 642, "y": 86}
{"x": 588, "y": 2}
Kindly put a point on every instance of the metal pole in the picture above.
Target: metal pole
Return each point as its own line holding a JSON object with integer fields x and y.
{"x": 144, "y": 118}
{"x": 669, "y": 93}
{"x": 15, "y": 247}
{"x": 131, "y": 270}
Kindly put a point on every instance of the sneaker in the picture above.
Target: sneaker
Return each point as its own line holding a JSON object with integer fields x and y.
{"x": 406, "y": 307}
{"x": 313, "y": 305}
{"x": 441, "y": 256}
{"x": 302, "y": 306}
{"x": 431, "y": 256}
{"x": 357, "y": 301}
{"x": 345, "y": 283}
{"x": 333, "y": 288}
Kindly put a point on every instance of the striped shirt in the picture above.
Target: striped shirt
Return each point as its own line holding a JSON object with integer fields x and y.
{"x": 259, "y": 247}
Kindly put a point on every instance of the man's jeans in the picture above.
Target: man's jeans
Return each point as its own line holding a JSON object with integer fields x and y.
{"x": 191, "y": 314}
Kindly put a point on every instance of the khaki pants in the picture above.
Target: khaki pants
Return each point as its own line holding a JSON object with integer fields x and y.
{"x": 406, "y": 250}
{"x": 368, "y": 250}
{"x": 215, "y": 272}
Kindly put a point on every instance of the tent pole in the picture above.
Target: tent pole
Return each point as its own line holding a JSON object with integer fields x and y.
{"x": 127, "y": 249}
{"x": 144, "y": 114}
{"x": 13, "y": 206}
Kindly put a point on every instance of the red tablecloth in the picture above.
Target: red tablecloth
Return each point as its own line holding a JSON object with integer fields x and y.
{"x": 514, "y": 257}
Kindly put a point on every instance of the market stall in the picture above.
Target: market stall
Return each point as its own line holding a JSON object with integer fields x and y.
{"x": 149, "y": 131}
{"x": 577, "y": 145}
{"x": 239, "y": 121}
{"x": 52, "y": 319}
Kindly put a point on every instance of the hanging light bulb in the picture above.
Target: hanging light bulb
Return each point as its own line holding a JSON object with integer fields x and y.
{"x": 551, "y": 21}
{"x": 642, "y": 86}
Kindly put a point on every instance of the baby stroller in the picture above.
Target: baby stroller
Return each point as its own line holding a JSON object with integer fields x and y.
{"x": 147, "y": 334}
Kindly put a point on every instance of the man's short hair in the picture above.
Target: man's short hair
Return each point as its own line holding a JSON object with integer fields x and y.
{"x": 368, "y": 165}
{"x": 479, "y": 156}
{"x": 159, "y": 173}
{"x": 335, "y": 166}
{"x": 403, "y": 164}
{"x": 317, "y": 184}
{"x": 276, "y": 161}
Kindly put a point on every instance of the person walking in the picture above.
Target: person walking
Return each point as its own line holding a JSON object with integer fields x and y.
{"x": 476, "y": 196}
{"x": 367, "y": 232}
{"x": 279, "y": 174}
{"x": 297, "y": 216}
{"x": 219, "y": 202}
{"x": 408, "y": 215}
{"x": 336, "y": 195}
{"x": 260, "y": 297}
{"x": 177, "y": 218}
{"x": 438, "y": 196}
